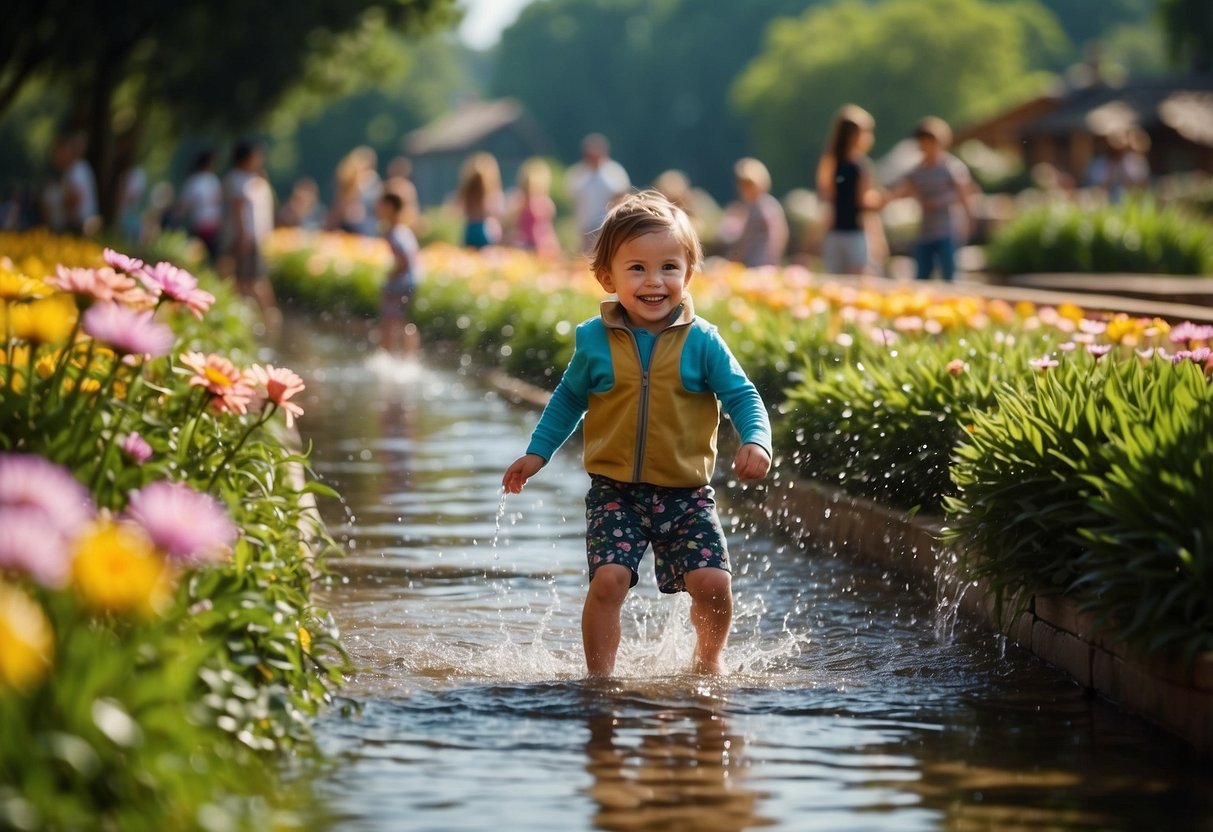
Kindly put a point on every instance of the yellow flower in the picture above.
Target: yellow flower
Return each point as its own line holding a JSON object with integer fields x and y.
{"x": 27, "y": 644}
{"x": 45, "y": 365}
{"x": 1070, "y": 311}
{"x": 16, "y": 286}
{"x": 45, "y": 321}
{"x": 116, "y": 569}
{"x": 305, "y": 640}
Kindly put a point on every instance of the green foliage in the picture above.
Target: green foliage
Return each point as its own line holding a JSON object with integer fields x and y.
{"x": 164, "y": 719}
{"x": 627, "y": 66}
{"x": 882, "y": 422}
{"x": 851, "y": 51}
{"x": 1189, "y": 29}
{"x": 1093, "y": 478}
{"x": 1137, "y": 236}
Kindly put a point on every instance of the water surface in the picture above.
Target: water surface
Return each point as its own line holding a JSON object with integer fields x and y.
{"x": 849, "y": 704}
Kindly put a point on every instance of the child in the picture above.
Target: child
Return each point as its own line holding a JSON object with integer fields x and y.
{"x": 764, "y": 233}
{"x": 536, "y": 212}
{"x": 844, "y": 181}
{"x": 396, "y": 332}
{"x": 650, "y": 377}
{"x": 481, "y": 200}
{"x": 941, "y": 184}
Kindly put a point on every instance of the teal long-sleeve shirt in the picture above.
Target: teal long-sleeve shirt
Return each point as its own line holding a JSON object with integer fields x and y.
{"x": 706, "y": 364}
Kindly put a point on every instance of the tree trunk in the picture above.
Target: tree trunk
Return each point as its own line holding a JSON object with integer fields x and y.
{"x": 101, "y": 140}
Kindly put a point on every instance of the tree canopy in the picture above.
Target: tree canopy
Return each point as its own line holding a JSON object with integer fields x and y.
{"x": 218, "y": 65}
{"x": 650, "y": 74}
{"x": 901, "y": 60}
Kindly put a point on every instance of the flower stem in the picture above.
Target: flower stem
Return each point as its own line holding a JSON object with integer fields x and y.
{"x": 266, "y": 413}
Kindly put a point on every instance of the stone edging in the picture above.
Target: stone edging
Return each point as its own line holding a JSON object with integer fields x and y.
{"x": 1052, "y": 627}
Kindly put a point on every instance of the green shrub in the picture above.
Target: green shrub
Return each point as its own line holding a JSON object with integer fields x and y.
{"x": 1092, "y": 479}
{"x": 1137, "y": 236}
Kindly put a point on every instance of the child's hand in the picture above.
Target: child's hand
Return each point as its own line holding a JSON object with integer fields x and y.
{"x": 752, "y": 462}
{"x": 521, "y": 470}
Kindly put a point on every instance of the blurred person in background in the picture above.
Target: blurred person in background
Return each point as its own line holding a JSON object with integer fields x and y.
{"x": 845, "y": 186}
{"x": 763, "y": 234}
{"x": 357, "y": 191}
{"x": 534, "y": 212}
{"x": 199, "y": 208}
{"x": 249, "y": 220}
{"x": 76, "y": 192}
{"x": 480, "y": 199}
{"x": 302, "y": 208}
{"x": 594, "y": 184}
{"x": 943, "y": 187}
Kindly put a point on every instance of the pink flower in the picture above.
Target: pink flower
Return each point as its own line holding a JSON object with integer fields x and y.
{"x": 31, "y": 546}
{"x": 120, "y": 262}
{"x": 41, "y": 507}
{"x": 128, "y": 331}
{"x": 136, "y": 447}
{"x": 956, "y": 367}
{"x": 166, "y": 280}
{"x": 1187, "y": 332}
{"x": 93, "y": 284}
{"x": 1099, "y": 350}
{"x": 278, "y": 385}
{"x": 1042, "y": 364}
{"x": 228, "y": 386}
{"x": 28, "y": 481}
{"x": 187, "y": 525}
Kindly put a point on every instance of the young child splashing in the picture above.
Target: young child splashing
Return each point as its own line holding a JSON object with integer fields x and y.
{"x": 650, "y": 376}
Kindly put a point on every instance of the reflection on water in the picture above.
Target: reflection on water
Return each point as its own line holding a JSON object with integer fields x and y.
{"x": 844, "y": 709}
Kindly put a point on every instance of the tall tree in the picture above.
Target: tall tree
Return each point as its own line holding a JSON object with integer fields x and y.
{"x": 650, "y": 74}
{"x": 901, "y": 60}
{"x": 211, "y": 63}
{"x": 1188, "y": 25}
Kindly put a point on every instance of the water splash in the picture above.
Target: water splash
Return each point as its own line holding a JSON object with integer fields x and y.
{"x": 497, "y": 526}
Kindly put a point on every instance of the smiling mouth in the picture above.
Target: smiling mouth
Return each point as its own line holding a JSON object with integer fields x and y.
{"x": 653, "y": 299}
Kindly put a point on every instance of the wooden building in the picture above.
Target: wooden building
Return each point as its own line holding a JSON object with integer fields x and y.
{"x": 1069, "y": 129}
{"x": 499, "y": 127}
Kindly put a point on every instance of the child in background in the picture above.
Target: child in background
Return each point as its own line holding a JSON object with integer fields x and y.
{"x": 844, "y": 182}
{"x": 481, "y": 200}
{"x": 398, "y": 334}
{"x": 941, "y": 184}
{"x": 764, "y": 232}
{"x": 650, "y": 376}
{"x": 536, "y": 212}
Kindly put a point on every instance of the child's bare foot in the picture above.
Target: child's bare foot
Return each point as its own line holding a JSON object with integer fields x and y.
{"x": 708, "y": 667}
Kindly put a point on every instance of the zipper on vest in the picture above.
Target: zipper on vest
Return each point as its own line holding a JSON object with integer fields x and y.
{"x": 642, "y": 410}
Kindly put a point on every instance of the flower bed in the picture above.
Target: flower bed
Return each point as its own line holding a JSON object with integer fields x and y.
{"x": 157, "y": 631}
{"x": 930, "y": 401}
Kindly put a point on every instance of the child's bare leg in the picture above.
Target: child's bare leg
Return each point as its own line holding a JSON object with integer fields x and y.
{"x": 711, "y": 593}
{"x": 600, "y": 617}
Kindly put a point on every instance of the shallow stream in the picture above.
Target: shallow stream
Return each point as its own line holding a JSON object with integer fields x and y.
{"x": 851, "y": 702}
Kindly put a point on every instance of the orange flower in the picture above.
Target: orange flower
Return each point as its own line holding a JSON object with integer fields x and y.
{"x": 229, "y": 389}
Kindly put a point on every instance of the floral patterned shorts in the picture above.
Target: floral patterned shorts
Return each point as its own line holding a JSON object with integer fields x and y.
{"x": 623, "y": 518}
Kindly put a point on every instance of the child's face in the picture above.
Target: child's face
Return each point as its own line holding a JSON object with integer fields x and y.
{"x": 649, "y": 273}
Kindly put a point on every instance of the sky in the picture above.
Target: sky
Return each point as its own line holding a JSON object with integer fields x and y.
{"x": 484, "y": 20}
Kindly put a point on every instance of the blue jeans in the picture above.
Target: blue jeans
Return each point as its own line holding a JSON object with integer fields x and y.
{"x": 927, "y": 252}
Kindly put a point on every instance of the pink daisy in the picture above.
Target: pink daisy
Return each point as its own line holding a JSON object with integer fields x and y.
{"x": 228, "y": 386}
{"x": 31, "y": 546}
{"x": 188, "y": 526}
{"x": 120, "y": 262}
{"x": 166, "y": 280}
{"x": 278, "y": 385}
{"x": 93, "y": 284}
{"x": 33, "y": 482}
{"x": 128, "y": 331}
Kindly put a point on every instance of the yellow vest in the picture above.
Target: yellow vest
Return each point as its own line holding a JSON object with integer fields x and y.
{"x": 648, "y": 427}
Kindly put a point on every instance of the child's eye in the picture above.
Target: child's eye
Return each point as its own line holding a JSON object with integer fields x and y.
{"x": 636, "y": 267}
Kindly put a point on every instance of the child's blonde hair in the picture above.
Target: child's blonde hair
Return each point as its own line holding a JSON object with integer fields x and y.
{"x": 535, "y": 177}
{"x": 754, "y": 172}
{"x": 644, "y": 213}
